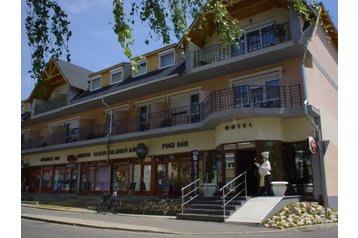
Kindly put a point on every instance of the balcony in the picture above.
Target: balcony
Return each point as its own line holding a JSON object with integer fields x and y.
{"x": 235, "y": 100}
{"x": 50, "y": 105}
{"x": 251, "y": 41}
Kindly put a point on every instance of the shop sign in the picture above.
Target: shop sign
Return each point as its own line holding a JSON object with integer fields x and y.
{"x": 141, "y": 150}
{"x": 49, "y": 158}
{"x": 123, "y": 150}
{"x": 71, "y": 158}
{"x": 83, "y": 155}
{"x": 312, "y": 144}
{"x": 178, "y": 144}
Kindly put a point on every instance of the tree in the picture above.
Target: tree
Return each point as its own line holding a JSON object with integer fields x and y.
{"x": 50, "y": 35}
{"x": 47, "y": 31}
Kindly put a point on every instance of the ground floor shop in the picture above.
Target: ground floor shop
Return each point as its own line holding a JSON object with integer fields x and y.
{"x": 162, "y": 166}
{"x": 165, "y": 175}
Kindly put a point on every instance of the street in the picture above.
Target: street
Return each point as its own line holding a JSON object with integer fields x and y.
{"x": 38, "y": 229}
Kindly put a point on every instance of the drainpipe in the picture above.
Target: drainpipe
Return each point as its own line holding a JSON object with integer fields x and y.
{"x": 109, "y": 129}
{"x": 312, "y": 121}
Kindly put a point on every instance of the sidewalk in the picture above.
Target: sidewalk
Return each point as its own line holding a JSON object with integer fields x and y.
{"x": 141, "y": 223}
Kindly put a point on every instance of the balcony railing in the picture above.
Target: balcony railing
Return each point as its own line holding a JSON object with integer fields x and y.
{"x": 50, "y": 105}
{"x": 236, "y": 98}
{"x": 251, "y": 41}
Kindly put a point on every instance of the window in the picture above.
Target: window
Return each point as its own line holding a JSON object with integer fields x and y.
{"x": 142, "y": 68}
{"x": 166, "y": 58}
{"x": 260, "y": 90}
{"x": 95, "y": 83}
{"x": 253, "y": 40}
{"x": 116, "y": 76}
{"x": 102, "y": 178}
{"x": 268, "y": 35}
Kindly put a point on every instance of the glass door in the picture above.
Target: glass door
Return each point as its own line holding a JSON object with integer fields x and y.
{"x": 161, "y": 178}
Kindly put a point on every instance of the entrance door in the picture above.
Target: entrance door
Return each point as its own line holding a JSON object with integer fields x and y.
{"x": 245, "y": 160}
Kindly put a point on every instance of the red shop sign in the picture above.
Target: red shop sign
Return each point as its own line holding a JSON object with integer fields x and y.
{"x": 312, "y": 144}
{"x": 71, "y": 158}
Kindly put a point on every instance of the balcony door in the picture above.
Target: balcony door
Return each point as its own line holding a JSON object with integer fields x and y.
{"x": 143, "y": 117}
{"x": 194, "y": 108}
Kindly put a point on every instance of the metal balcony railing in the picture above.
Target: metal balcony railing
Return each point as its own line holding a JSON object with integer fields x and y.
{"x": 251, "y": 41}
{"x": 236, "y": 98}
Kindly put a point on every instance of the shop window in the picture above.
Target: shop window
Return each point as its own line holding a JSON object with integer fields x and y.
{"x": 173, "y": 175}
{"x": 47, "y": 176}
{"x": 59, "y": 179}
{"x": 303, "y": 182}
{"x": 185, "y": 172}
{"x": 102, "y": 178}
{"x": 147, "y": 172}
{"x": 136, "y": 176}
{"x": 120, "y": 177}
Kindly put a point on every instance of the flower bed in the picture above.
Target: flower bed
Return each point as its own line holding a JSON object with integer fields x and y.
{"x": 300, "y": 214}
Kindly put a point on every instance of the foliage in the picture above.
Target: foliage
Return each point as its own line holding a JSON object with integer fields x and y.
{"x": 48, "y": 33}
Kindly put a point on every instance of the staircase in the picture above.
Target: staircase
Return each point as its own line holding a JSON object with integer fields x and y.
{"x": 209, "y": 209}
{"x": 212, "y": 208}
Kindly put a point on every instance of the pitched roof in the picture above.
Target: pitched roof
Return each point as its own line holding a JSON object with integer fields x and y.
{"x": 130, "y": 82}
{"x": 75, "y": 75}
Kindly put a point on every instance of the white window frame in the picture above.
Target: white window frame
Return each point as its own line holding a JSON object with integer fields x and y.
{"x": 139, "y": 63}
{"x": 258, "y": 26}
{"x": 164, "y": 53}
{"x": 91, "y": 84}
{"x": 115, "y": 71}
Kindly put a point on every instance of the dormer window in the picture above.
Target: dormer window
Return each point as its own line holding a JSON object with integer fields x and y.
{"x": 166, "y": 58}
{"x": 116, "y": 75}
{"x": 142, "y": 68}
{"x": 95, "y": 83}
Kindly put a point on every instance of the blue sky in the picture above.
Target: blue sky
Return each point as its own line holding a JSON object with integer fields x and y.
{"x": 93, "y": 44}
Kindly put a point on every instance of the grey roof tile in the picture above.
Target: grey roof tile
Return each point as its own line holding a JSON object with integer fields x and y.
{"x": 75, "y": 75}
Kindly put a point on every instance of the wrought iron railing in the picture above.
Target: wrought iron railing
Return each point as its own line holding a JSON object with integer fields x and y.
{"x": 264, "y": 38}
{"x": 236, "y": 98}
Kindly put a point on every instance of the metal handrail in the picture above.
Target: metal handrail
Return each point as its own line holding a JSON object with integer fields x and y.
{"x": 233, "y": 189}
{"x": 185, "y": 195}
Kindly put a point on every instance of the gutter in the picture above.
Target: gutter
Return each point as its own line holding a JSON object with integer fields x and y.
{"x": 311, "y": 119}
{"x": 109, "y": 129}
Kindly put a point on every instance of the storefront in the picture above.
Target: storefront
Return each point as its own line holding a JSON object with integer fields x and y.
{"x": 162, "y": 166}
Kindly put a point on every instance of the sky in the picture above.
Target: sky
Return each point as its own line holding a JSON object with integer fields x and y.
{"x": 93, "y": 44}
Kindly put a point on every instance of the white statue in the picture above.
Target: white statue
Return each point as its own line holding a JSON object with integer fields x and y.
{"x": 265, "y": 174}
